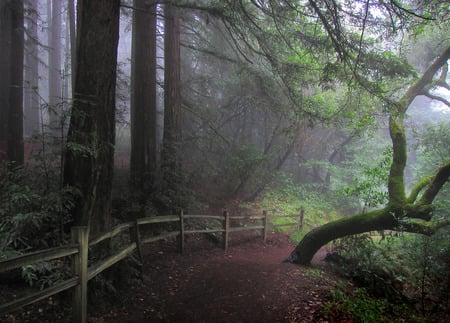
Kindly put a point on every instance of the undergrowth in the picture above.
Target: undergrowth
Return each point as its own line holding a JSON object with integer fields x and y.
{"x": 33, "y": 212}
{"x": 288, "y": 198}
{"x": 348, "y": 304}
{"x": 400, "y": 268}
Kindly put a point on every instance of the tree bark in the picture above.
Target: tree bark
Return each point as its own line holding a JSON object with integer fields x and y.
{"x": 360, "y": 223}
{"x": 401, "y": 212}
{"x": 31, "y": 74}
{"x": 143, "y": 93}
{"x": 5, "y": 63}
{"x": 73, "y": 41}
{"x": 171, "y": 159}
{"x": 15, "y": 116}
{"x": 54, "y": 69}
{"x": 90, "y": 143}
{"x": 11, "y": 84}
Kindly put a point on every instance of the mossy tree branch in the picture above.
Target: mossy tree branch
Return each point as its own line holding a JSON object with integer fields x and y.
{"x": 439, "y": 180}
{"x": 396, "y": 185}
{"x": 401, "y": 213}
{"x": 424, "y": 227}
{"x": 418, "y": 188}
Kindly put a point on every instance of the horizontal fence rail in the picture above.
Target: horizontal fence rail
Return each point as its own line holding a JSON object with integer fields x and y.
{"x": 37, "y": 256}
{"x": 78, "y": 251}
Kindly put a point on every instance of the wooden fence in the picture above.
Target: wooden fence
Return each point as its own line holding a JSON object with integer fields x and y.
{"x": 78, "y": 251}
{"x": 295, "y": 220}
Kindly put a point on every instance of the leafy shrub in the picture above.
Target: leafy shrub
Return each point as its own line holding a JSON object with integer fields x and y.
{"x": 370, "y": 265}
{"x": 289, "y": 198}
{"x": 45, "y": 274}
{"x": 358, "y": 306}
{"x": 369, "y": 184}
{"x": 401, "y": 268}
{"x": 32, "y": 217}
{"x": 425, "y": 262}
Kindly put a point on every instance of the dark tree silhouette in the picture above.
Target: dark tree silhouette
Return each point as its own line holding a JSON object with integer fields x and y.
{"x": 11, "y": 83}
{"x": 90, "y": 142}
{"x": 143, "y": 93}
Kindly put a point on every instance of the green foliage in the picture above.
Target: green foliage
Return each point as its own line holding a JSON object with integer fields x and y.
{"x": 245, "y": 159}
{"x": 246, "y": 171}
{"x": 425, "y": 262}
{"x": 371, "y": 265}
{"x": 31, "y": 218}
{"x": 389, "y": 64}
{"x": 80, "y": 150}
{"x": 358, "y": 306}
{"x": 428, "y": 41}
{"x": 166, "y": 195}
{"x": 370, "y": 184}
{"x": 45, "y": 274}
{"x": 314, "y": 273}
{"x": 403, "y": 268}
{"x": 288, "y": 198}
{"x": 433, "y": 146}
{"x": 433, "y": 151}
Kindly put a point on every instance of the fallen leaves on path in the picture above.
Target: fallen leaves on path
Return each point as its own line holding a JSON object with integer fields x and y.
{"x": 249, "y": 283}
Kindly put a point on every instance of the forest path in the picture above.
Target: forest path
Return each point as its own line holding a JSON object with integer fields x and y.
{"x": 248, "y": 283}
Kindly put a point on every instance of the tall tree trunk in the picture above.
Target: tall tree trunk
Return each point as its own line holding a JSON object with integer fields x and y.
{"x": 5, "y": 63}
{"x": 15, "y": 117}
{"x": 11, "y": 86}
{"x": 54, "y": 69}
{"x": 143, "y": 93}
{"x": 31, "y": 95}
{"x": 171, "y": 159}
{"x": 66, "y": 77}
{"x": 73, "y": 41}
{"x": 90, "y": 143}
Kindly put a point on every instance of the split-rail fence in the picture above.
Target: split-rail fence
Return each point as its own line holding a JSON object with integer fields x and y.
{"x": 78, "y": 251}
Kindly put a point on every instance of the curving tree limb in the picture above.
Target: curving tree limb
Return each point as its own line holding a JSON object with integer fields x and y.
{"x": 401, "y": 213}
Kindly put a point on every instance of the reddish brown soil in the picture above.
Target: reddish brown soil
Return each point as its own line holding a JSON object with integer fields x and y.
{"x": 248, "y": 283}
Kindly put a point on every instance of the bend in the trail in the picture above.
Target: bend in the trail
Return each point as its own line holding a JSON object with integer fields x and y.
{"x": 248, "y": 283}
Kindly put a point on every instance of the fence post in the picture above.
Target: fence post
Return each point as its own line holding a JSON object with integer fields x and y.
{"x": 266, "y": 225}
{"x": 135, "y": 236}
{"x": 226, "y": 229}
{"x": 181, "y": 237}
{"x": 300, "y": 219}
{"x": 80, "y": 236}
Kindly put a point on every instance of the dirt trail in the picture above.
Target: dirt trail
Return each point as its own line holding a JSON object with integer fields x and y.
{"x": 248, "y": 283}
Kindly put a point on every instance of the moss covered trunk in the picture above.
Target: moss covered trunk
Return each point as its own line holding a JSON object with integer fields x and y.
{"x": 401, "y": 212}
{"x": 359, "y": 223}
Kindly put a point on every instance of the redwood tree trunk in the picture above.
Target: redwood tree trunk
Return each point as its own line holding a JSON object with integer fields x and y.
{"x": 73, "y": 41}
{"x": 171, "y": 159}
{"x": 5, "y": 63}
{"x": 15, "y": 118}
{"x": 143, "y": 93}
{"x": 54, "y": 69}
{"x": 11, "y": 80}
{"x": 31, "y": 97}
{"x": 90, "y": 143}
